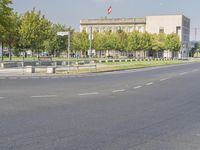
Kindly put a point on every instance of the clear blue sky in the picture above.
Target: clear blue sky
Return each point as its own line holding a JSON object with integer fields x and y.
{"x": 69, "y": 12}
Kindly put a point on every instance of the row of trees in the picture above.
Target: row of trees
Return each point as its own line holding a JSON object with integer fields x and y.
{"x": 133, "y": 41}
{"x": 34, "y": 32}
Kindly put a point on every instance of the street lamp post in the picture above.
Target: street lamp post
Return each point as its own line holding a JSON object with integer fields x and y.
{"x": 68, "y": 47}
{"x": 90, "y": 48}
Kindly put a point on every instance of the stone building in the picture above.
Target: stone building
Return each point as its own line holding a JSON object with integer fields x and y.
{"x": 167, "y": 24}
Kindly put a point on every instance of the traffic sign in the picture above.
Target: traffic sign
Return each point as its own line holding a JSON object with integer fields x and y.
{"x": 62, "y": 33}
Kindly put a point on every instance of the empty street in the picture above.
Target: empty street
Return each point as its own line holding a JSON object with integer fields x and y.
{"x": 145, "y": 109}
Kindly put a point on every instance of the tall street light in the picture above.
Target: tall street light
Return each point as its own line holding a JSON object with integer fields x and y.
{"x": 68, "y": 49}
{"x": 90, "y": 36}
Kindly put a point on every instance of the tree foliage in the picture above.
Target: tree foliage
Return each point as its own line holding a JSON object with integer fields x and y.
{"x": 135, "y": 41}
{"x": 34, "y": 30}
{"x": 158, "y": 42}
{"x": 80, "y": 41}
{"x": 57, "y": 44}
{"x": 5, "y": 13}
{"x": 172, "y": 42}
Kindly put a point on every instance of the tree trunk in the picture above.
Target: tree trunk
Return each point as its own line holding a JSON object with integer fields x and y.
{"x": 38, "y": 53}
{"x": 10, "y": 52}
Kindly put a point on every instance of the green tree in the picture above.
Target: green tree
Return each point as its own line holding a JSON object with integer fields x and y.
{"x": 172, "y": 43}
{"x": 195, "y": 50}
{"x": 158, "y": 42}
{"x": 34, "y": 30}
{"x": 12, "y": 34}
{"x": 134, "y": 41}
{"x": 111, "y": 41}
{"x": 57, "y": 44}
{"x": 5, "y": 19}
{"x": 98, "y": 41}
{"x": 123, "y": 40}
{"x": 106, "y": 41}
{"x": 80, "y": 42}
{"x": 5, "y": 12}
{"x": 146, "y": 42}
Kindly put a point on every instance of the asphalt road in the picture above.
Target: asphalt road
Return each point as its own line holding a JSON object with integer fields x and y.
{"x": 147, "y": 109}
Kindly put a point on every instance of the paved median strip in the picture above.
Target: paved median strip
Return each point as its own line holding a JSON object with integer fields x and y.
{"x": 120, "y": 90}
{"x": 86, "y": 94}
{"x": 44, "y": 96}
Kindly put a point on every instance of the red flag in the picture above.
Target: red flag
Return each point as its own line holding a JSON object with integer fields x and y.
{"x": 109, "y": 10}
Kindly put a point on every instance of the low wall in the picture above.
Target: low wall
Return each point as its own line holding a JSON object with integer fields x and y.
{"x": 28, "y": 63}
{"x": 8, "y": 64}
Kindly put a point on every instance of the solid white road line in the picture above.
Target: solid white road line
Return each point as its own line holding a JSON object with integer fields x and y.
{"x": 2, "y": 97}
{"x": 149, "y": 83}
{"x": 120, "y": 90}
{"x": 137, "y": 87}
{"x": 85, "y": 94}
{"x": 43, "y": 96}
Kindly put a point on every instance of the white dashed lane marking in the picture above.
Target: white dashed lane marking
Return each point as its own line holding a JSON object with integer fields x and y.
{"x": 164, "y": 79}
{"x": 183, "y": 73}
{"x": 85, "y": 94}
{"x": 150, "y": 83}
{"x": 137, "y": 87}
{"x": 120, "y": 90}
{"x": 44, "y": 96}
{"x": 195, "y": 70}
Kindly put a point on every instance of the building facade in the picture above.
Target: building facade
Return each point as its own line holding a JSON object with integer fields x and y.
{"x": 113, "y": 25}
{"x": 167, "y": 24}
{"x": 178, "y": 24}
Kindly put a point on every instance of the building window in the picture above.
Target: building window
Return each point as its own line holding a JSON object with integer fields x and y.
{"x": 178, "y": 30}
{"x": 161, "y": 30}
